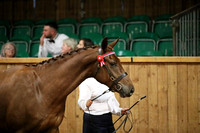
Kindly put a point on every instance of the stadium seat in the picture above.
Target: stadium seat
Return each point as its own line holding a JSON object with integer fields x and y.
{"x": 75, "y": 36}
{"x": 165, "y": 46}
{"x": 112, "y": 25}
{"x": 95, "y": 37}
{"x": 22, "y": 45}
{"x": 3, "y": 40}
{"x": 143, "y": 42}
{"x": 122, "y": 44}
{"x": 89, "y": 26}
{"x": 38, "y": 27}
{"x": 162, "y": 25}
{"x": 4, "y": 27}
{"x": 150, "y": 53}
{"x": 67, "y": 26}
{"x": 22, "y": 27}
{"x": 34, "y": 48}
{"x": 124, "y": 53}
{"x": 137, "y": 24}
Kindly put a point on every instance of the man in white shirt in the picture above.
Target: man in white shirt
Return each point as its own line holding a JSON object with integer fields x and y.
{"x": 51, "y": 41}
{"x": 98, "y": 112}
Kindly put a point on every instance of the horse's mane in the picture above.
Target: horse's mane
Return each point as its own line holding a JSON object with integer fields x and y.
{"x": 53, "y": 59}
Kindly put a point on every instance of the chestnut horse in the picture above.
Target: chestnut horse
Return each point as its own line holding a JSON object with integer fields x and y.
{"x": 32, "y": 98}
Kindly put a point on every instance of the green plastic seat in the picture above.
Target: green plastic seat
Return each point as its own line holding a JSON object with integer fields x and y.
{"x": 165, "y": 46}
{"x": 22, "y": 27}
{"x": 91, "y": 20}
{"x": 3, "y": 40}
{"x": 162, "y": 26}
{"x": 34, "y": 48}
{"x": 4, "y": 27}
{"x": 115, "y": 19}
{"x": 137, "y": 24}
{"x": 122, "y": 44}
{"x": 22, "y": 45}
{"x": 124, "y": 53}
{"x": 95, "y": 37}
{"x": 75, "y": 36}
{"x": 89, "y": 26}
{"x": 112, "y": 25}
{"x": 144, "y": 42}
{"x": 150, "y": 53}
{"x": 67, "y": 26}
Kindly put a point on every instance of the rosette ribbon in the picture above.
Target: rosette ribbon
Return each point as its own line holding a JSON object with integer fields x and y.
{"x": 100, "y": 58}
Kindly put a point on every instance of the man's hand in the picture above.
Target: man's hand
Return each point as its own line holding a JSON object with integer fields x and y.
{"x": 42, "y": 39}
{"x": 88, "y": 103}
{"x": 124, "y": 111}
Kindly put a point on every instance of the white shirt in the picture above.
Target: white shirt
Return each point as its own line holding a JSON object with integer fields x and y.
{"x": 91, "y": 88}
{"x": 53, "y": 48}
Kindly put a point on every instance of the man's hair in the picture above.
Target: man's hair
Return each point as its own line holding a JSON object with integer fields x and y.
{"x": 52, "y": 24}
{"x": 87, "y": 42}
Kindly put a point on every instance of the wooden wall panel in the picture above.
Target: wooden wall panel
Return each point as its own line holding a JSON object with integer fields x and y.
{"x": 172, "y": 104}
{"x": 182, "y": 98}
{"x": 56, "y": 9}
{"x": 172, "y": 98}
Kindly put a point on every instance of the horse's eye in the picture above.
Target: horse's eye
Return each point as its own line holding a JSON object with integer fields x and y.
{"x": 113, "y": 63}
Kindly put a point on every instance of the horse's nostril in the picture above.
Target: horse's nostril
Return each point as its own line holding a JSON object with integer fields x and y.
{"x": 132, "y": 90}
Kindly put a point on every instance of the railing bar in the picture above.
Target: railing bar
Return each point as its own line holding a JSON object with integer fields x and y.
{"x": 179, "y": 15}
{"x": 198, "y": 36}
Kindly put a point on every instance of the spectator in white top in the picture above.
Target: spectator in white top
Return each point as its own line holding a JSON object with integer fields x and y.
{"x": 51, "y": 41}
{"x": 69, "y": 44}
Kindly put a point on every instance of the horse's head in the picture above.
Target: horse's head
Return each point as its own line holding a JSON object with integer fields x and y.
{"x": 111, "y": 72}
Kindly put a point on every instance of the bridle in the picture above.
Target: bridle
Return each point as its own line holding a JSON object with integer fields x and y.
{"x": 115, "y": 81}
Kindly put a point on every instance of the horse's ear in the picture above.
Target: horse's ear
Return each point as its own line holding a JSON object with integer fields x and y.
{"x": 104, "y": 44}
{"x": 112, "y": 44}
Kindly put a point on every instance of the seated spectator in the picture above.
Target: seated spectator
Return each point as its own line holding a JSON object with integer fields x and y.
{"x": 69, "y": 44}
{"x": 51, "y": 41}
{"x": 8, "y": 50}
{"x": 84, "y": 42}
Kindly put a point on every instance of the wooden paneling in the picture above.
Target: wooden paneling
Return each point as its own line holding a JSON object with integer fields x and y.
{"x": 172, "y": 87}
{"x": 56, "y": 9}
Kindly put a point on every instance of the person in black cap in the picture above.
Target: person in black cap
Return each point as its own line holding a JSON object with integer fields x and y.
{"x": 51, "y": 41}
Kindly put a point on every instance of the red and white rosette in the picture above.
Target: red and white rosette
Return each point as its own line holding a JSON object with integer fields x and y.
{"x": 100, "y": 58}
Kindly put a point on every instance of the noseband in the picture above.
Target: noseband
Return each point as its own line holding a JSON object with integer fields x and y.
{"x": 115, "y": 81}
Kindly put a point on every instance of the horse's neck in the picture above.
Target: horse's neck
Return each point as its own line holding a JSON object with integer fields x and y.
{"x": 61, "y": 77}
